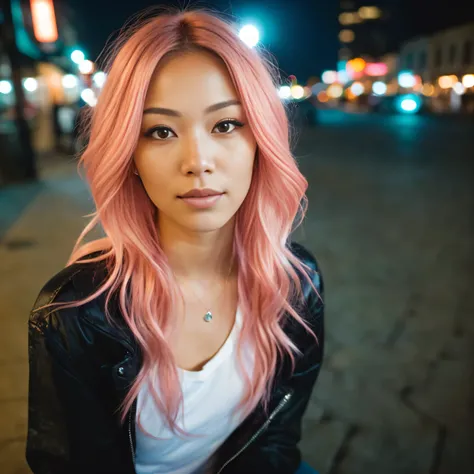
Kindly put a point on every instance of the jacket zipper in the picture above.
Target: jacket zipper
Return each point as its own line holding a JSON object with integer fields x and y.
{"x": 130, "y": 438}
{"x": 280, "y": 406}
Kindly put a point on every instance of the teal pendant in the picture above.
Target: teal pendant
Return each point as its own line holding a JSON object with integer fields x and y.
{"x": 208, "y": 317}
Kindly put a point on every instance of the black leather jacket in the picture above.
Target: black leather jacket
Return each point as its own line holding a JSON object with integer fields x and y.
{"x": 81, "y": 367}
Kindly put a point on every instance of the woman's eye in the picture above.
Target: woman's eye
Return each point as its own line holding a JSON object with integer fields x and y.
{"x": 228, "y": 126}
{"x": 160, "y": 133}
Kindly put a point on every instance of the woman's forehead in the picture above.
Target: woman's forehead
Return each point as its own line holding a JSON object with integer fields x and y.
{"x": 193, "y": 80}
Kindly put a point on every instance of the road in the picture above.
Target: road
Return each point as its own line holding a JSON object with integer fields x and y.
{"x": 391, "y": 221}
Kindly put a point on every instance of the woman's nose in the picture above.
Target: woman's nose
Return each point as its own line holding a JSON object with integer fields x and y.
{"x": 197, "y": 157}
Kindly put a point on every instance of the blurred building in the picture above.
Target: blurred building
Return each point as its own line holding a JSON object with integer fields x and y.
{"x": 445, "y": 63}
{"x": 367, "y": 29}
{"x": 444, "y": 53}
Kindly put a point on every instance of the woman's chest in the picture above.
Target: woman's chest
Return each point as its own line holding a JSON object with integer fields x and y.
{"x": 196, "y": 340}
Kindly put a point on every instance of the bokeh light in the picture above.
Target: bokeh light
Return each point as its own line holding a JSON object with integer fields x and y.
{"x": 458, "y": 88}
{"x": 346, "y": 36}
{"x": 408, "y": 103}
{"x": 349, "y": 18}
{"x": 78, "y": 56}
{"x": 284, "y": 92}
{"x": 343, "y": 77}
{"x": 69, "y": 81}
{"x": 357, "y": 88}
{"x": 328, "y": 77}
{"x": 297, "y": 92}
{"x": 376, "y": 69}
{"x": 5, "y": 87}
{"x": 334, "y": 91}
{"x": 99, "y": 78}
{"x": 369, "y": 13}
{"x": 428, "y": 90}
{"x": 250, "y": 35}
{"x": 445, "y": 82}
{"x": 86, "y": 67}
{"x": 89, "y": 97}
{"x": 406, "y": 79}
{"x": 30, "y": 84}
{"x": 317, "y": 88}
{"x": 356, "y": 64}
{"x": 468, "y": 80}
{"x": 322, "y": 96}
{"x": 379, "y": 88}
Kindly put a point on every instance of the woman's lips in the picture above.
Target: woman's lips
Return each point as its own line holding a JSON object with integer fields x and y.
{"x": 204, "y": 202}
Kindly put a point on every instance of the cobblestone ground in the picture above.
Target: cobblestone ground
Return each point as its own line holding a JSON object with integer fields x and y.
{"x": 391, "y": 221}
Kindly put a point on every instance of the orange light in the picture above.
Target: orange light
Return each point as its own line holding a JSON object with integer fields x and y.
{"x": 349, "y": 94}
{"x": 445, "y": 82}
{"x": 468, "y": 80}
{"x": 369, "y": 13}
{"x": 357, "y": 64}
{"x": 428, "y": 90}
{"x": 322, "y": 96}
{"x": 44, "y": 21}
{"x": 346, "y": 36}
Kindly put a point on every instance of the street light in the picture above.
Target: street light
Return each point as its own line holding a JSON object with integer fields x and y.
{"x": 250, "y": 35}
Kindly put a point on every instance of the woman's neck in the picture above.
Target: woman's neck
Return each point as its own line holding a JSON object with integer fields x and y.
{"x": 198, "y": 255}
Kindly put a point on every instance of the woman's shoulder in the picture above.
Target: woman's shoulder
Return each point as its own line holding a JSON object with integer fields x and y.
{"x": 72, "y": 283}
{"x": 309, "y": 260}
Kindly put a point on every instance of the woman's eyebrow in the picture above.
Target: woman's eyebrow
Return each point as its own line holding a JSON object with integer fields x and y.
{"x": 175, "y": 113}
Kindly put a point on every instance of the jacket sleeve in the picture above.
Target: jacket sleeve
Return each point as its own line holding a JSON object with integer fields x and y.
{"x": 69, "y": 431}
{"x": 276, "y": 450}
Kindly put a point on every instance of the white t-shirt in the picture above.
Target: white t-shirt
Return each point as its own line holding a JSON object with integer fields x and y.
{"x": 210, "y": 395}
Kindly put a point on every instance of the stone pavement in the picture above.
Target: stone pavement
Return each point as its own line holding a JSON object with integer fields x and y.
{"x": 391, "y": 221}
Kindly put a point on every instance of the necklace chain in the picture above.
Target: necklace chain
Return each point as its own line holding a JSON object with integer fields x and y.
{"x": 208, "y": 316}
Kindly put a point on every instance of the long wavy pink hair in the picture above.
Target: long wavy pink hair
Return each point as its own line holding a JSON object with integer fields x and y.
{"x": 138, "y": 271}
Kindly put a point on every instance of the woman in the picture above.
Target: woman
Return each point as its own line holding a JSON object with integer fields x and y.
{"x": 189, "y": 338}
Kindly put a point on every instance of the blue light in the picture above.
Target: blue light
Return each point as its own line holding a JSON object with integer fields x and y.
{"x": 408, "y": 104}
{"x": 341, "y": 65}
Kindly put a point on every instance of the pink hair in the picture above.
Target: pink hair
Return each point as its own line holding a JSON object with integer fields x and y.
{"x": 137, "y": 267}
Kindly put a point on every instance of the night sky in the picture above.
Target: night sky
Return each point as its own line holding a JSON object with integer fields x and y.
{"x": 301, "y": 34}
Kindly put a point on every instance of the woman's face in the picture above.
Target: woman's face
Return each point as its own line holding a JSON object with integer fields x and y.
{"x": 194, "y": 135}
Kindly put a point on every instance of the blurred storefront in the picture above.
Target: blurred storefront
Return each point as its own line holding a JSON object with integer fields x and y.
{"x": 42, "y": 55}
{"x": 445, "y": 63}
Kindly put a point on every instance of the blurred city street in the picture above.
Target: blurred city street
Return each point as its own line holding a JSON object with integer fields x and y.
{"x": 391, "y": 221}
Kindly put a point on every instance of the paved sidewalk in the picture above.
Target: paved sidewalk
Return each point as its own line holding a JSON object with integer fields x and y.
{"x": 40, "y": 223}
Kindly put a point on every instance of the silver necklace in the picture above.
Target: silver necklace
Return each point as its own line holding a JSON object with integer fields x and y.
{"x": 209, "y": 316}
